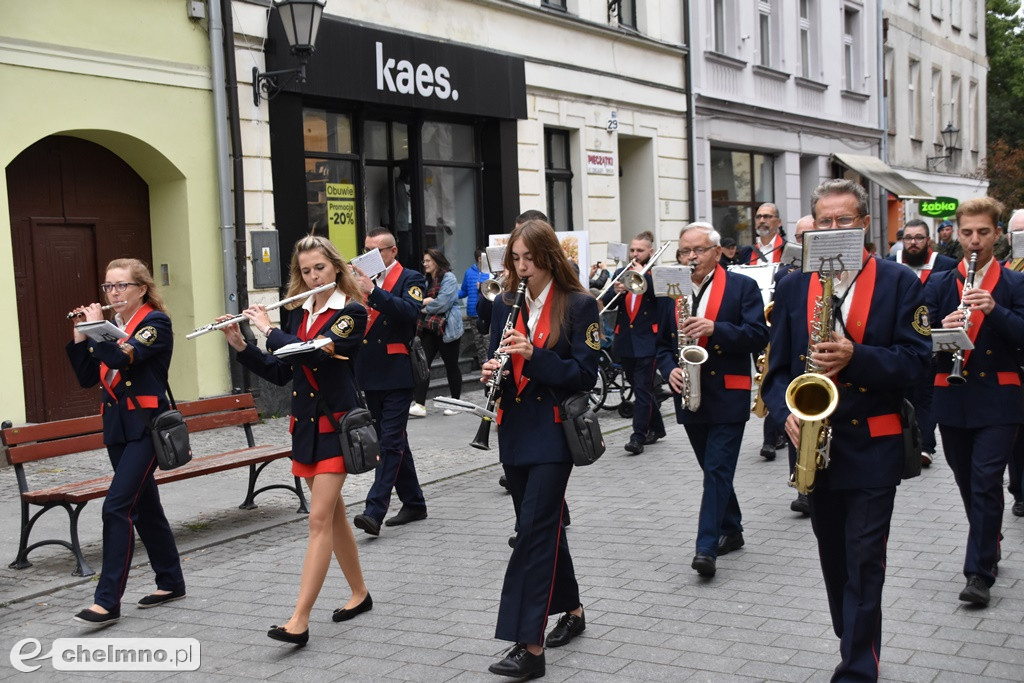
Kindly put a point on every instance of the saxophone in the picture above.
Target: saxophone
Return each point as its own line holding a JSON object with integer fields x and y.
{"x": 691, "y": 357}
{"x": 761, "y": 367}
{"x": 813, "y": 397}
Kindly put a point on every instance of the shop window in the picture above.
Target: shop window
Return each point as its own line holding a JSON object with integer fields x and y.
{"x": 387, "y": 193}
{"x": 740, "y": 182}
{"x": 331, "y": 179}
{"x": 451, "y": 191}
{"x": 326, "y": 132}
{"x": 558, "y": 177}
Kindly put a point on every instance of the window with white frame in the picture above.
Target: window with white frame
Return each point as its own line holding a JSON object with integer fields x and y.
{"x": 723, "y": 26}
{"x": 937, "y": 10}
{"x": 890, "y": 90}
{"x": 956, "y": 14}
{"x": 955, "y": 102}
{"x": 972, "y": 8}
{"x": 627, "y": 13}
{"x": 937, "y": 123}
{"x": 914, "y": 98}
{"x": 973, "y": 116}
{"x": 764, "y": 32}
{"x": 851, "y": 49}
{"x": 808, "y": 39}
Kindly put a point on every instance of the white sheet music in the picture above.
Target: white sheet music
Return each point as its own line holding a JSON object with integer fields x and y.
{"x": 101, "y": 330}
{"x": 672, "y": 281}
{"x": 833, "y": 250}
{"x": 950, "y": 339}
{"x": 496, "y": 258}
{"x": 617, "y": 252}
{"x": 296, "y": 348}
{"x": 370, "y": 263}
{"x": 1017, "y": 244}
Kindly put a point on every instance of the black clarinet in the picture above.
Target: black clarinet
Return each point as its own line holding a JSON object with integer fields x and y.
{"x": 956, "y": 375}
{"x": 483, "y": 434}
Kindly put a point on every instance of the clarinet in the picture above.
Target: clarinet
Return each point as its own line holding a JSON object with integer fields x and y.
{"x": 494, "y": 383}
{"x": 956, "y": 375}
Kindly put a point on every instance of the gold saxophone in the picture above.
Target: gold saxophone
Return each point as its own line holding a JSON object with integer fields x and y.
{"x": 761, "y": 367}
{"x": 691, "y": 357}
{"x": 813, "y": 397}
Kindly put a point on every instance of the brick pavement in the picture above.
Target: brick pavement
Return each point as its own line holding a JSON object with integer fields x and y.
{"x": 649, "y": 616}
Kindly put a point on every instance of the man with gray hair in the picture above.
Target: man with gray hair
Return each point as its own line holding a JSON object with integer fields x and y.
{"x": 724, "y": 316}
{"x": 1015, "y": 467}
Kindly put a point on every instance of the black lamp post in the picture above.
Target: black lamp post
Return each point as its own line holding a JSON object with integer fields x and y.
{"x": 950, "y": 143}
{"x": 301, "y": 19}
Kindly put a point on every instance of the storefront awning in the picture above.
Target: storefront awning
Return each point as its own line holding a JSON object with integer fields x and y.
{"x": 879, "y": 172}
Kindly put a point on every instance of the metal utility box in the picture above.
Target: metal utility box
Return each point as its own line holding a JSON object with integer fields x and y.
{"x": 266, "y": 259}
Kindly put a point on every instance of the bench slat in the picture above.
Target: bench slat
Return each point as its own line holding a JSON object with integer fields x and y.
{"x": 49, "y": 449}
{"x": 52, "y": 430}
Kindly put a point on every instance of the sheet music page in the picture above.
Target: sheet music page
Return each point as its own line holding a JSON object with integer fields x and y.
{"x": 370, "y": 263}
{"x": 950, "y": 339}
{"x": 296, "y": 348}
{"x": 496, "y": 258}
{"x": 101, "y": 330}
{"x": 833, "y": 250}
{"x": 1017, "y": 244}
{"x": 672, "y": 281}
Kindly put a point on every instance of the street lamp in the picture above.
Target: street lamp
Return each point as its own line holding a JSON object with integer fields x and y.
{"x": 950, "y": 141}
{"x": 301, "y": 19}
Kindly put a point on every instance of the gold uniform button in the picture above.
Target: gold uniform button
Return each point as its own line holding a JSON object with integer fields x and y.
{"x": 712, "y": 373}
{"x": 90, "y": 349}
{"x": 801, "y": 357}
{"x": 854, "y": 422}
{"x": 847, "y": 384}
{"x": 980, "y": 374}
{"x": 312, "y": 419}
{"x": 518, "y": 399}
{"x": 538, "y": 398}
{"x": 312, "y": 395}
{"x": 988, "y": 352}
{"x": 294, "y": 393}
{"x": 863, "y": 390}
{"x": 128, "y": 383}
{"x": 366, "y": 341}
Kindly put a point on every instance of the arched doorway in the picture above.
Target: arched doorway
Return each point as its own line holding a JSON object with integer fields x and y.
{"x": 74, "y": 207}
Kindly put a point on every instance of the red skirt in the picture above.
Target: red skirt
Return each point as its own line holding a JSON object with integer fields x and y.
{"x": 335, "y": 465}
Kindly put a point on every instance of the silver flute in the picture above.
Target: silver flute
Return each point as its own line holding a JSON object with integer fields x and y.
{"x": 199, "y": 331}
{"x": 108, "y": 307}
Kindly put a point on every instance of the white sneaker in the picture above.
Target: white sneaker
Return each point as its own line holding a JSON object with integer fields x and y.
{"x": 417, "y": 410}
{"x": 450, "y": 411}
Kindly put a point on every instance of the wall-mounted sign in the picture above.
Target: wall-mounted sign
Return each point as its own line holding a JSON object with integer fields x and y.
{"x": 600, "y": 163}
{"x": 940, "y": 207}
{"x": 341, "y": 217}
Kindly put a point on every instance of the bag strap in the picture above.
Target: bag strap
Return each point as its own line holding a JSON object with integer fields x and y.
{"x": 329, "y": 415}
{"x": 131, "y": 393}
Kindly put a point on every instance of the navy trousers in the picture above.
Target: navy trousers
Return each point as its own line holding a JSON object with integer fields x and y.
{"x": 133, "y": 503}
{"x": 978, "y": 458}
{"x": 646, "y": 415}
{"x": 717, "y": 447}
{"x": 1015, "y": 467}
{"x": 396, "y": 469}
{"x": 852, "y": 528}
{"x": 540, "y": 579}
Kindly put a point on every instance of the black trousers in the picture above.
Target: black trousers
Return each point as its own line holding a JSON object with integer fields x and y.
{"x": 432, "y": 343}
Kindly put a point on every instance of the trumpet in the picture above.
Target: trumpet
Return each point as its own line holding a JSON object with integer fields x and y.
{"x": 494, "y": 383}
{"x": 491, "y": 287}
{"x": 956, "y": 375}
{"x": 633, "y": 280}
{"x": 199, "y": 331}
{"x": 108, "y": 307}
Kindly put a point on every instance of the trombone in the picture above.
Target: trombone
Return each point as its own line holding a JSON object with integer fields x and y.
{"x": 633, "y": 280}
{"x": 199, "y": 331}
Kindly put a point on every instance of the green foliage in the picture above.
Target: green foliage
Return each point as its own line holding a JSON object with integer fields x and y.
{"x": 1004, "y": 36}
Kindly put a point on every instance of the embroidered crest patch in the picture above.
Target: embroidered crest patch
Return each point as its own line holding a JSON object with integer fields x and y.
{"x": 416, "y": 293}
{"x": 593, "y": 337}
{"x": 147, "y": 335}
{"x": 343, "y": 326}
{"x": 920, "y": 323}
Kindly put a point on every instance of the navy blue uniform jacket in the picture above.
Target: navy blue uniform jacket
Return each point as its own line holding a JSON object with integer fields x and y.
{"x": 894, "y": 353}
{"x": 384, "y": 362}
{"x": 637, "y": 339}
{"x": 993, "y": 388}
{"x": 315, "y": 377}
{"x": 527, "y": 431}
{"x": 146, "y": 376}
{"x": 740, "y": 330}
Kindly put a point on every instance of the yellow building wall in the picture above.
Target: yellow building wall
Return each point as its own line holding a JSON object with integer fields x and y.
{"x": 133, "y": 76}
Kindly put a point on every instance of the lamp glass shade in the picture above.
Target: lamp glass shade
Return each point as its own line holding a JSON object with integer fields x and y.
{"x": 301, "y": 19}
{"x": 950, "y": 136}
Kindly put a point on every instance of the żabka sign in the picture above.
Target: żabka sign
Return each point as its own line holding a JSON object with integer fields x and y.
{"x": 940, "y": 207}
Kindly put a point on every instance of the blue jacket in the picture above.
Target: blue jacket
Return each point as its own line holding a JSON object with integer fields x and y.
{"x": 893, "y": 354}
{"x": 992, "y": 394}
{"x": 319, "y": 382}
{"x": 470, "y": 290}
{"x": 527, "y": 431}
{"x": 152, "y": 342}
{"x": 636, "y": 339}
{"x": 740, "y": 330}
{"x": 383, "y": 364}
{"x": 446, "y": 303}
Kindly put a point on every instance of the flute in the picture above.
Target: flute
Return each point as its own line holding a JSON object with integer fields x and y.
{"x": 199, "y": 331}
{"x": 118, "y": 304}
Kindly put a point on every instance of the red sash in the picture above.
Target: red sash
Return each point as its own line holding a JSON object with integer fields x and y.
{"x": 129, "y": 329}
{"x": 927, "y": 270}
{"x": 860, "y": 307}
{"x": 389, "y": 283}
{"x": 988, "y": 284}
{"x": 303, "y": 335}
{"x": 776, "y": 255}
{"x": 715, "y": 295}
{"x": 540, "y": 336}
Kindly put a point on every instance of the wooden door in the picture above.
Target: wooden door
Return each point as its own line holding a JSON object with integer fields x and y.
{"x": 74, "y": 207}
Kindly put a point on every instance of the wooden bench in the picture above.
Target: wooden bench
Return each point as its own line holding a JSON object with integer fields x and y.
{"x": 37, "y": 442}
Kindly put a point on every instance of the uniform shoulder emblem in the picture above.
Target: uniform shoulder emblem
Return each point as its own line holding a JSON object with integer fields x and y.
{"x": 593, "y": 337}
{"x": 343, "y": 326}
{"x": 416, "y": 293}
{"x": 147, "y": 335}
{"x": 920, "y": 323}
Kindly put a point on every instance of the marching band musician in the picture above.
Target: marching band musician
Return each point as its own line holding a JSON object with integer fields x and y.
{"x": 880, "y": 347}
{"x": 393, "y": 300}
{"x": 1015, "y": 468}
{"x": 636, "y": 328}
{"x": 767, "y": 248}
{"x": 321, "y": 380}
{"x": 133, "y": 374}
{"x": 726, "y": 317}
{"x": 553, "y": 354}
{"x": 979, "y": 418}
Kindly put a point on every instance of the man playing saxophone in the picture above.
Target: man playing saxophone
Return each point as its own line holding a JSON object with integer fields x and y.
{"x": 880, "y": 346}
{"x": 725, "y": 317}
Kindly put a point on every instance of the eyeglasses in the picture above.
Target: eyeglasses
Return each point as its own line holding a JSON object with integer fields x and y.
{"x": 367, "y": 251}
{"x": 841, "y": 221}
{"x": 765, "y": 215}
{"x": 915, "y": 238}
{"x": 108, "y": 287}
{"x": 699, "y": 251}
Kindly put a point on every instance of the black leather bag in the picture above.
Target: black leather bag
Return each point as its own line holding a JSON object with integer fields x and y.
{"x": 582, "y": 429}
{"x": 911, "y": 441}
{"x": 360, "y": 446}
{"x": 418, "y": 357}
{"x": 170, "y": 436}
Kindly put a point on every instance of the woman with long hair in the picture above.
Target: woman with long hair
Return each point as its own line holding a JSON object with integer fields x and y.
{"x": 439, "y": 327}
{"x": 553, "y": 353}
{"x": 322, "y": 380}
{"x": 133, "y": 372}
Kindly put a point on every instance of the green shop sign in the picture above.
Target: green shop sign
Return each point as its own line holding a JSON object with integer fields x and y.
{"x": 941, "y": 207}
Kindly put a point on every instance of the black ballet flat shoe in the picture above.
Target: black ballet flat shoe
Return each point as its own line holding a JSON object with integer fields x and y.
{"x": 279, "y": 633}
{"x": 157, "y": 599}
{"x": 92, "y": 618}
{"x": 343, "y": 614}
{"x": 519, "y": 664}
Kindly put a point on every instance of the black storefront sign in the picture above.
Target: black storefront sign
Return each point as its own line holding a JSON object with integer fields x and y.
{"x": 366, "y": 64}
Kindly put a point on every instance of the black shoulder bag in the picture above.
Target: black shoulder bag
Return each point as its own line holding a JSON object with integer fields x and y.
{"x": 170, "y": 435}
{"x": 581, "y": 427}
{"x": 360, "y": 446}
{"x": 418, "y": 358}
{"x": 911, "y": 441}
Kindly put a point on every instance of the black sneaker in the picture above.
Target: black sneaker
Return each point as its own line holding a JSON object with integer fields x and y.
{"x": 519, "y": 664}
{"x": 634, "y": 447}
{"x": 768, "y": 451}
{"x": 801, "y": 504}
{"x": 975, "y": 592}
{"x": 1018, "y": 508}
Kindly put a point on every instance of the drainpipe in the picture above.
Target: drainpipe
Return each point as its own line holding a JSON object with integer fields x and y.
{"x": 691, "y": 146}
